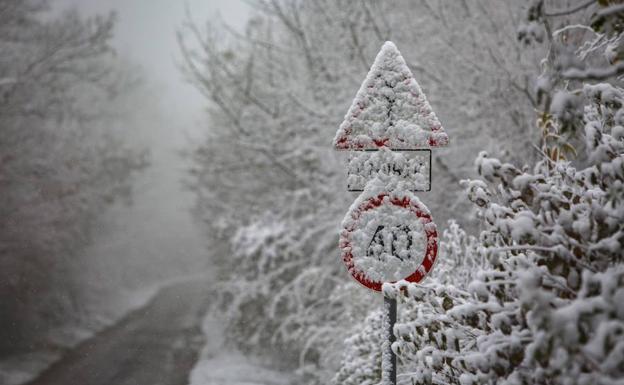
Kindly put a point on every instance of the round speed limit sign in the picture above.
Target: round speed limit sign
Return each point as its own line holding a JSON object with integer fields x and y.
{"x": 388, "y": 237}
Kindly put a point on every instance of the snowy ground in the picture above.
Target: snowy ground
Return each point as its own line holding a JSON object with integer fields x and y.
{"x": 106, "y": 349}
{"x": 225, "y": 366}
{"x": 23, "y": 368}
{"x": 20, "y": 369}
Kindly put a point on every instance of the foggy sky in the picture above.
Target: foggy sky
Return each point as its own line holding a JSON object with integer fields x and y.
{"x": 158, "y": 226}
{"x": 145, "y": 33}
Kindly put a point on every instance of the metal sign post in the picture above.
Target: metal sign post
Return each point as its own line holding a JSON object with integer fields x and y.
{"x": 388, "y": 361}
{"x": 388, "y": 234}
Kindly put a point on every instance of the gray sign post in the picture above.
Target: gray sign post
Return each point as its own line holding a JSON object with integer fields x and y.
{"x": 388, "y": 363}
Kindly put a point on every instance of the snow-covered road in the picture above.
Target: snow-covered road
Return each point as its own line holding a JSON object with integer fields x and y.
{"x": 159, "y": 344}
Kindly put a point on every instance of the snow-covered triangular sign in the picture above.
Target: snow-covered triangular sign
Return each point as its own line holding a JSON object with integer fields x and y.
{"x": 390, "y": 110}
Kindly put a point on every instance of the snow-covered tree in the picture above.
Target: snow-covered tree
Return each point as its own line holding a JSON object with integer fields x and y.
{"x": 537, "y": 297}
{"x": 60, "y": 163}
{"x": 270, "y": 186}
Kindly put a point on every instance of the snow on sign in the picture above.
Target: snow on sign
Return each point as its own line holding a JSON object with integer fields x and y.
{"x": 388, "y": 233}
{"x": 413, "y": 167}
{"x": 387, "y": 237}
{"x": 390, "y": 110}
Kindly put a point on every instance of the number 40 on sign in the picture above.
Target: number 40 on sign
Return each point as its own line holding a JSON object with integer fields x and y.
{"x": 388, "y": 234}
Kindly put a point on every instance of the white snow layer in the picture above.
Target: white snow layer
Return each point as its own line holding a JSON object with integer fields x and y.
{"x": 390, "y": 110}
{"x": 220, "y": 366}
{"x": 387, "y": 242}
{"x": 23, "y": 368}
{"x": 411, "y": 167}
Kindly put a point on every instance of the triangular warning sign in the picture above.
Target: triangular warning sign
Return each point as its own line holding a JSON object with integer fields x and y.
{"x": 390, "y": 110}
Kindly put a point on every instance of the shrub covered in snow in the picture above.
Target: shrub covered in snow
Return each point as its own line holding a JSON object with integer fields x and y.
{"x": 267, "y": 171}
{"x": 537, "y": 298}
{"x": 284, "y": 297}
{"x": 419, "y": 316}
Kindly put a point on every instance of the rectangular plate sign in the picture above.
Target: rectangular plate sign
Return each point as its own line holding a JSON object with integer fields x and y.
{"x": 413, "y": 167}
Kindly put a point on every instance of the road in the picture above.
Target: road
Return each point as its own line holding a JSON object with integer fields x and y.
{"x": 156, "y": 345}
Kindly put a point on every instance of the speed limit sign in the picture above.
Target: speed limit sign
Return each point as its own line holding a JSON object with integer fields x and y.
{"x": 388, "y": 237}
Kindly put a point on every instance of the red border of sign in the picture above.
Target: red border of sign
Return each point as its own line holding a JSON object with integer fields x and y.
{"x": 425, "y": 218}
